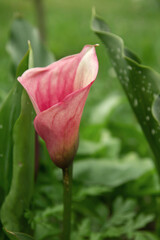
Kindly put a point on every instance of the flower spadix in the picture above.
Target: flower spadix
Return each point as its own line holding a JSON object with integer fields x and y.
{"x": 58, "y": 93}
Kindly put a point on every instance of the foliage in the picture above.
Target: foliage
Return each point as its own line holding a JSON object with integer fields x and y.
{"x": 140, "y": 83}
{"x": 23, "y": 164}
{"x": 115, "y": 185}
{"x": 21, "y": 32}
{"x": 18, "y": 181}
{"x": 17, "y": 236}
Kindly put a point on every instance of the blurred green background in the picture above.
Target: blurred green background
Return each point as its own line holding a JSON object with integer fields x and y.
{"x": 68, "y": 30}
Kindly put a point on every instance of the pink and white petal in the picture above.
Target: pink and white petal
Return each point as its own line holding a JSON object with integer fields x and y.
{"x": 87, "y": 69}
{"x": 59, "y": 127}
{"x": 45, "y": 85}
{"x": 50, "y": 85}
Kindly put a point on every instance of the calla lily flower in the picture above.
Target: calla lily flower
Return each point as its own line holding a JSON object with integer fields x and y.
{"x": 58, "y": 93}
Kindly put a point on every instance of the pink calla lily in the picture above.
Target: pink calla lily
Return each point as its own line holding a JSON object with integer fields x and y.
{"x": 58, "y": 93}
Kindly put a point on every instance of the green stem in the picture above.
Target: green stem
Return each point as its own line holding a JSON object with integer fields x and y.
{"x": 67, "y": 200}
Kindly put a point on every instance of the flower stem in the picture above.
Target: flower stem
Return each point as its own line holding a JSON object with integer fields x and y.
{"x": 67, "y": 200}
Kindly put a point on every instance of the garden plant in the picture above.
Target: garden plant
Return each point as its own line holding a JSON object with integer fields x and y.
{"x": 79, "y": 150}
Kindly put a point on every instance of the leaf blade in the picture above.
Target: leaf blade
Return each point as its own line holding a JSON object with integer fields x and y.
{"x": 12, "y": 214}
{"x": 17, "y": 235}
{"x": 140, "y": 83}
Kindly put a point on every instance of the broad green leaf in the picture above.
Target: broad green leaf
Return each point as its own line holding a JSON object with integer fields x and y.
{"x": 140, "y": 83}
{"x": 156, "y": 108}
{"x": 105, "y": 108}
{"x": 127, "y": 130}
{"x": 148, "y": 184}
{"x": 106, "y": 146}
{"x": 91, "y": 191}
{"x": 2, "y": 95}
{"x": 89, "y": 148}
{"x": 110, "y": 173}
{"x": 21, "y": 32}
{"x": 21, "y": 189}
{"x": 9, "y": 112}
{"x": 17, "y": 235}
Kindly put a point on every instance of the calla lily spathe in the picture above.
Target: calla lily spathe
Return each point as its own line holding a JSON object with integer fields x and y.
{"x": 58, "y": 93}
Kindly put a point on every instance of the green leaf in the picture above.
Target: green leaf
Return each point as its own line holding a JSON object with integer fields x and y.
{"x": 21, "y": 189}
{"x": 84, "y": 228}
{"x": 106, "y": 146}
{"x": 142, "y": 220}
{"x": 123, "y": 211}
{"x": 21, "y": 32}
{"x": 9, "y": 112}
{"x": 126, "y": 129}
{"x": 96, "y": 236}
{"x": 156, "y": 108}
{"x": 91, "y": 191}
{"x": 110, "y": 173}
{"x": 145, "y": 236}
{"x": 45, "y": 229}
{"x": 105, "y": 108}
{"x": 148, "y": 184}
{"x": 140, "y": 83}
{"x": 114, "y": 232}
{"x": 123, "y": 221}
{"x": 17, "y": 235}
